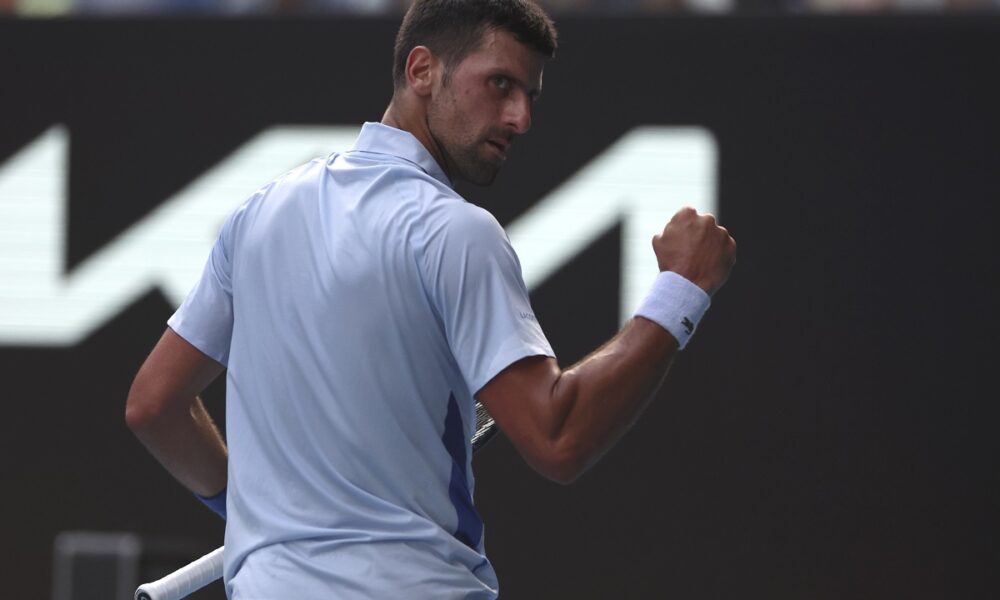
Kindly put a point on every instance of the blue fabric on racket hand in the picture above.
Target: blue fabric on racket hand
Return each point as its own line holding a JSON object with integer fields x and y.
{"x": 217, "y": 502}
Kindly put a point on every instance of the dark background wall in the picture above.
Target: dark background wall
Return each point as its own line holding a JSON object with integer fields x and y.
{"x": 827, "y": 434}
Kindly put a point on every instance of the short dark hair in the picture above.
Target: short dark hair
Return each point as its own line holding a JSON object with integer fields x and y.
{"x": 452, "y": 29}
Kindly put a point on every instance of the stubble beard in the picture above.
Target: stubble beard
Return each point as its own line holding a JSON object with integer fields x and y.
{"x": 462, "y": 149}
{"x": 473, "y": 167}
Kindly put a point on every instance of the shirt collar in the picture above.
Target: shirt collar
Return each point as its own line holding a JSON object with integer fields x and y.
{"x": 382, "y": 139}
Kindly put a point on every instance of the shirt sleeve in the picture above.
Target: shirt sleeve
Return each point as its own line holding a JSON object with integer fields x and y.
{"x": 205, "y": 318}
{"x": 474, "y": 278}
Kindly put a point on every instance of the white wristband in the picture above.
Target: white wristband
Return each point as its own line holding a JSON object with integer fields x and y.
{"x": 675, "y": 304}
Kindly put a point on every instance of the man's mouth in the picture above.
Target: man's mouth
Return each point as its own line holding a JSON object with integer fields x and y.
{"x": 500, "y": 145}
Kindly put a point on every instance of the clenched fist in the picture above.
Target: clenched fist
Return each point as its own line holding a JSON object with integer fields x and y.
{"x": 697, "y": 248}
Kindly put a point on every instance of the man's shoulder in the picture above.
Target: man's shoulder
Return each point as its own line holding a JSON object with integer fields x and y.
{"x": 462, "y": 229}
{"x": 305, "y": 177}
{"x": 474, "y": 220}
{"x": 308, "y": 174}
{"x": 439, "y": 205}
{"x": 458, "y": 216}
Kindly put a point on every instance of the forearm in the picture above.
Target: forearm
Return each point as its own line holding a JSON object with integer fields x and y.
{"x": 598, "y": 399}
{"x": 165, "y": 413}
{"x": 185, "y": 440}
{"x": 563, "y": 421}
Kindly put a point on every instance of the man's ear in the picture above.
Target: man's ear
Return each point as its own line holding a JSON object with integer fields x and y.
{"x": 421, "y": 70}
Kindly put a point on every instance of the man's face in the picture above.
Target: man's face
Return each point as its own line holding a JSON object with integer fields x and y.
{"x": 475, "y": 115}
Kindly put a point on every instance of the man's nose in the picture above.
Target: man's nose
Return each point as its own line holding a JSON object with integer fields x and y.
{"x": 518, "y": 114}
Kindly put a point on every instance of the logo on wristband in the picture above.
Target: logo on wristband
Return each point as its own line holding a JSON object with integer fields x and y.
{"x": 688, "y": 325}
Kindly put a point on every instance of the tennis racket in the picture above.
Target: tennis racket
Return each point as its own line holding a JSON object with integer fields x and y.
{"x": 208, "y": 568}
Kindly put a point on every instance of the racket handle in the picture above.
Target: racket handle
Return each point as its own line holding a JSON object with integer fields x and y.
{"x": 185, "y": 580}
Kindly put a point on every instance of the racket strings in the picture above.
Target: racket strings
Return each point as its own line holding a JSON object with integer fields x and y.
{"x": 485, "y": 427}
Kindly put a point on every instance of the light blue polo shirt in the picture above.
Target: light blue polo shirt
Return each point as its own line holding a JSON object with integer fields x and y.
{"x": 359, "y": 303}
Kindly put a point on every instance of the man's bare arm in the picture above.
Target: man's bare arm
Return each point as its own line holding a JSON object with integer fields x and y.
{"x": 165, "y": 413}
{"x": 563, "y": 421}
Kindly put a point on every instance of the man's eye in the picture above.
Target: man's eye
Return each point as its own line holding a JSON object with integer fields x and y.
{"x": 501, "y": 82}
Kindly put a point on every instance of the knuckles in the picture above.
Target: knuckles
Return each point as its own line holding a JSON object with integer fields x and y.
{"x": 696, "y": 241}
{"x": 702, "y": 225}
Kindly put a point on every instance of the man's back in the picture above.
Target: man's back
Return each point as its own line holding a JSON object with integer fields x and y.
{"x": 361, "y": 287}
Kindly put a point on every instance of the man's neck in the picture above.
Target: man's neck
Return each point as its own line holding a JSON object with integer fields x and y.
{"x": 412, "y": 120}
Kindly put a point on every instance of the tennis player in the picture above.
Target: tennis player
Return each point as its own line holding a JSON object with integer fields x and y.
{"x": 361, "y": 305}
